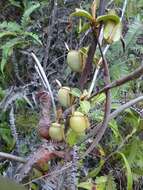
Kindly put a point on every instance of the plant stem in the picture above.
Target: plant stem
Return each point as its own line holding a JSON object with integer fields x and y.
{"x": 12, "y": 157}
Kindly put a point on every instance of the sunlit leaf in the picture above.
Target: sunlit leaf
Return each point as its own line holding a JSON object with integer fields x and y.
{"x": 85, "y": 106}
{"x": 106, "y": 18}
{"x": 86, "y": 185}
{"x": 73, "y": 138}
{"x": 82, "y": 13}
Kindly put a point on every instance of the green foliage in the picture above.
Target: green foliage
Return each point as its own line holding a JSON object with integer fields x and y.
{"x": 6, "y": 139}
{"x": 26, "y": 16}
{"x": 25, "y": 122}
{"x": 101, "y": 183}
{"x": 111, "y": 185}
{"x": 14, "y": 35}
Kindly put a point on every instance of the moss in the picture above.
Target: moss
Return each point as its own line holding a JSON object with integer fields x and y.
{"x": 25, "y": 122}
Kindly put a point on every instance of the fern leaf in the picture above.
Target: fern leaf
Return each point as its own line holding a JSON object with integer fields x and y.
{"x": 119, "y": 69}
{"x": 134, "y": 31}
{"x": 27, "y": 13}
{"x": 7, "y": 50}
{"x": 111, "y": 185}
{"x": 15, "y": 3}
{"x": 10, "y": 26}
{"x": 33, "y": 36}
{"x": 3, "y": 34}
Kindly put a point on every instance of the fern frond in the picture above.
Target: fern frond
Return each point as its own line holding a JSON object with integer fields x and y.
{"x": 135, "y": 153}
{"x": 135, "y": 29}
{"x": 15, "y": 3}
{"x": 26, "y": 16}
{"x": 33, "y": 36}
{"x": 7, "y": 33}
{"x": 111, "y": 185}
{"x": 7, "y": 50}
{"x": 10, "y": 26}
{"x": 118, "y": 69}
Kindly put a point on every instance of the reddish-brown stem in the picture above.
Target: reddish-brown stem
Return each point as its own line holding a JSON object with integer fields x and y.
{"x": 103, "y": 127}
{"x": 92, "y": 48}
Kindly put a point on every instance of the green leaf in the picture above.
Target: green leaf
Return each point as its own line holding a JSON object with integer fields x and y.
{"x": 86, "y": 185}
{"x": 76, "y": 92}
{"x": 85, "y": 106}
{"x": 5, "y": 134}
{"x": 10, "y": 26}
{"x": 27, "y": 13}
{"x": 138, "y": 171}
{"x": 15, "y": 3}
{"x": 98, "y": 99}
{"x": 73, "y": 138}
{"x": 82, "y": 13}
{"x": 7, "y": 50}
{"x": 96, "y": 171}
{"x": 33, "y": 36}
{"x": 101, "y": 182}
{"x": 7, "y": 33}
{"x": 111, "y": 185}
{"x": 114, "y": 127}
{"x": 84, "y": 28}
{"x": 129, "y": 173}
{"x": 106, "y": 18}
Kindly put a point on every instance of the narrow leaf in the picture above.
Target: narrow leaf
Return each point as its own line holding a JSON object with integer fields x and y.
{"x": 129, "y": 173}
{"x": 7, "y": 33}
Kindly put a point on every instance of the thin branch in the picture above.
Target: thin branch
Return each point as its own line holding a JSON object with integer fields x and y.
{"x": 92, "y": 48}
{"x": 93, "y": 81}
{"x": 104, "y": 125}
{"x": 123, "y": 9}
{"x": 12, "y": 157}
{"x": 125, "y": 106}
{"x": 51, "y": 174}
{"x": 132, "y": 76}
{"x": 50, "y": 31}
{"x": 44, "y": 78}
